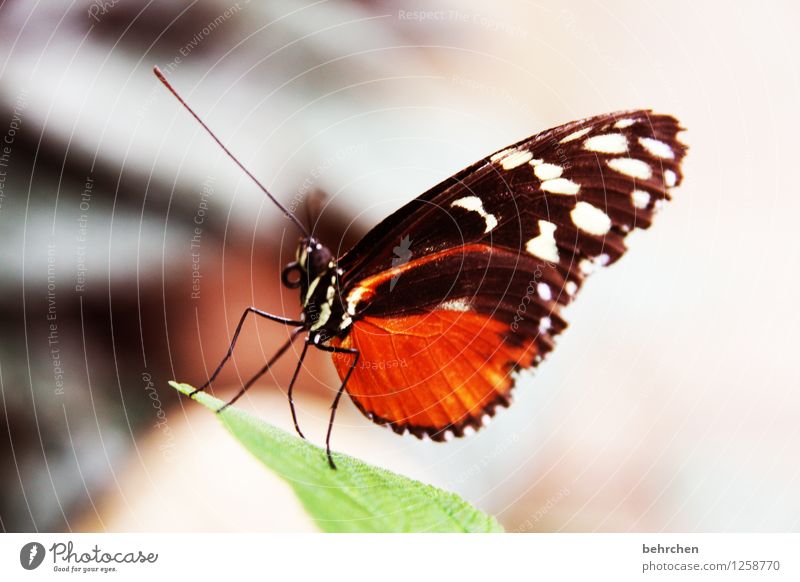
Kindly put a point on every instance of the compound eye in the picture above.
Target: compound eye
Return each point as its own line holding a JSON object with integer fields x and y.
{"x": 291, "y": 275}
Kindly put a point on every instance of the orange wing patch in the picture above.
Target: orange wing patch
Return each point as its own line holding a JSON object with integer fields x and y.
{"x": 443, "y": 370}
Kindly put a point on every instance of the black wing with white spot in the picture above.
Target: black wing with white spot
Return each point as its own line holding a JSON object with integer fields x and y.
{"x": 514, "y": 235}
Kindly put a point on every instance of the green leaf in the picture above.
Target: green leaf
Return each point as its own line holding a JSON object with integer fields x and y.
{"x": 356, "y": 497}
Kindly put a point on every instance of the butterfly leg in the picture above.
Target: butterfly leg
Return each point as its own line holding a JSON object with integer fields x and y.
{"x": 263, "y": 370}
{"x": 227, "y": 357}
{"x": 337, "y": 350}
{"x": 291, "y": 388}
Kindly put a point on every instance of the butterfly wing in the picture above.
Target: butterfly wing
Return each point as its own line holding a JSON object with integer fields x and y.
{"x": 462, "y": 286}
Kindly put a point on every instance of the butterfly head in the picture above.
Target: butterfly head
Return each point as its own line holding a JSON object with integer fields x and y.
{"x": 312, "y": 259}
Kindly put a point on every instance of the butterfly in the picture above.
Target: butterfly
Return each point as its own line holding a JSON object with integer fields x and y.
{"x": 431, "y": 314}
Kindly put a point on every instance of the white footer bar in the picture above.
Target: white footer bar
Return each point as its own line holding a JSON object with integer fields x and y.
{"x": 406, "y": 558}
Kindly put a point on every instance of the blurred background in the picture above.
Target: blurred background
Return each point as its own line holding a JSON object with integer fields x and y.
{"x": 131, "y": 245}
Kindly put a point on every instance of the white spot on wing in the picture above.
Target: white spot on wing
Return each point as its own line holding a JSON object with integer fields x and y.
{"x": 631, "y": 167}
{"x": 545, "y": 323}
{"x": 640, "y": 198}
{"x": 455, "y": 305}
{"x": 623, "y": 123}
{"x": 571, "y": 287}
{"x": 590, "y": 219}
{"x": 501, "y": 154}
{"x": 546, "y": 171}
{"x": 516, "y": 159}
{"x": 543, "y": 289}
{"x": 560, "y": 186}
{"x": 670, "y": 178}
{"x": 474, "y": 204}
{"x": 608, "y": 143}
{"x": 658, "y": 148}
{"x": 544, "y": 245}
{"x": 353, "y": 299}
{"x": 511, "y": 158}
{"x": 576, "y": 134}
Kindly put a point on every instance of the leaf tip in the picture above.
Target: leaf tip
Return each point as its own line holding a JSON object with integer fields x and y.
{"x": 188, "y": 390}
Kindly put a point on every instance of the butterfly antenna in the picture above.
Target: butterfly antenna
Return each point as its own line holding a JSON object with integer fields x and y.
{"x": 172, "y": 90}
{"x": 309, "y": 217}
{"x": 314, "y": 203}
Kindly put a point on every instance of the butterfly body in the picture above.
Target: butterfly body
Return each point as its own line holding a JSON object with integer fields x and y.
{"x": 317, "y": 278}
